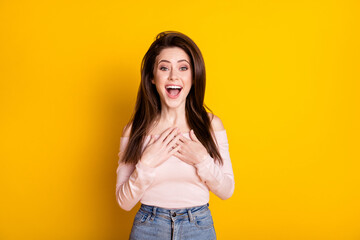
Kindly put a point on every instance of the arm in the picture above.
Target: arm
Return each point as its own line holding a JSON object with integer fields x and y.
{"x": 132, "y": 180}
{"x": 219, "y": 179}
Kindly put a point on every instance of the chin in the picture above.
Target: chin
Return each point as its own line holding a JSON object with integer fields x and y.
{"x": 172, "y": 103}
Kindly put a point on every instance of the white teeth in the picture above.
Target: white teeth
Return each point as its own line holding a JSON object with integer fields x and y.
{"x": 173, "y": 87}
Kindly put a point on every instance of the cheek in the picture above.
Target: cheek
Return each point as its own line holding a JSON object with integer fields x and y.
{"x": 158, "y": 81}
{"x": 158, "y": 87}
{"x": 188, "y": 87}
{"x": 190, "y": 80}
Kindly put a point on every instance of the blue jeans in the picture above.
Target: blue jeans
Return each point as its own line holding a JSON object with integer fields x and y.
{"x": 155, "y": 223}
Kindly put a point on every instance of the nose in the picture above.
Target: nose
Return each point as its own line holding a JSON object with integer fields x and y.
{"x": 173, "y": 74}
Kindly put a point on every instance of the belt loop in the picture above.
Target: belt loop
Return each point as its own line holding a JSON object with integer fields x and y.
{"x": 153, "y": 213}
{"x": 191, "y": 218}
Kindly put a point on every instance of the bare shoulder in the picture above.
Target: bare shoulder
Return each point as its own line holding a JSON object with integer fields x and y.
{"x": 216, "y": 122}
{"x": 127, "y": 130}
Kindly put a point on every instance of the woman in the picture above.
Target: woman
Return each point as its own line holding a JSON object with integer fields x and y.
{"x": 173, "y": 151}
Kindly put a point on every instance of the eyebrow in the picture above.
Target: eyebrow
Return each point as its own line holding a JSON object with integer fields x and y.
{"x": 163, "y": 60}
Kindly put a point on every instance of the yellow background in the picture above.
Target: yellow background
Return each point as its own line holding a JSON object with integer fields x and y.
{"x": 282, "y": 75}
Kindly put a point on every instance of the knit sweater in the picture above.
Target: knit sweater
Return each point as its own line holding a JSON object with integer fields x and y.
{"x": 174, "y": 183}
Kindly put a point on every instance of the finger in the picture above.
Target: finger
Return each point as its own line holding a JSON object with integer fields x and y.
{"x": 165, "y": 133}
{"x": 178, "y": 155}
{"x": 183, "y": 139}
{"x": 152, "y": 139}
{"x": 175, "y": 149}
{"x": 174, "y": 140}
{"x": 171, "y": 135}
{"x": 193, "y": 136}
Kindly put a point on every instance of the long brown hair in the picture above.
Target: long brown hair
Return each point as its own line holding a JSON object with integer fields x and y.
{"x": 148, "y": 105}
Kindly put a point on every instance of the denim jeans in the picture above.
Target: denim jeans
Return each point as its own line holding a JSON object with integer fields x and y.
{"x": 155, "y": 223}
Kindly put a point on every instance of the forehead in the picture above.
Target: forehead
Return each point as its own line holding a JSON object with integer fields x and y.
{"x": 172, "y": 54}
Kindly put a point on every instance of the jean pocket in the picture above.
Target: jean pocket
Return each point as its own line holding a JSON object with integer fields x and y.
{"x": 204, "y": 221}
{"x": 141, "y": 217}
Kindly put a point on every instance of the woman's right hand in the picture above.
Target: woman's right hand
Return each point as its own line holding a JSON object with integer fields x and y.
{"x": 159, "y": 150}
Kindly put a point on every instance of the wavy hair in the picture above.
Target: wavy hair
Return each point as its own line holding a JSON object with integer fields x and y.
{"x": 148, "y": 105}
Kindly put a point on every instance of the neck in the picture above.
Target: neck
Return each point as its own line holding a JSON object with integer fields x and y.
{"x": 173, "y": 117}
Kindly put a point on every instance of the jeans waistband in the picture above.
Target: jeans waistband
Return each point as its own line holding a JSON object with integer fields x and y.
{"x": 173, "y": 213}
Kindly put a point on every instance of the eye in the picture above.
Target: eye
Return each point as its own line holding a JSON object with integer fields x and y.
{"x": 162, "y": 68}
{"x": 184, "y": 68}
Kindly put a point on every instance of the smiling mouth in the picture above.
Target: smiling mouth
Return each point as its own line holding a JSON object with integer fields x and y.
{"x": 173, "y": 90}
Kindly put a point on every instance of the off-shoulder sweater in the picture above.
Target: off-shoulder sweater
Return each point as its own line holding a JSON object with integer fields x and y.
{"x": 174, "y": 183}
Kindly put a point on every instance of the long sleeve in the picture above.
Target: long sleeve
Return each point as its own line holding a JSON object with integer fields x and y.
{"x": 219, "y": 179}
{"x": 132, "y": 180}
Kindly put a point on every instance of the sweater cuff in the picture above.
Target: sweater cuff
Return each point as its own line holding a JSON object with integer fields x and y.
{"x": 205, "y": 162}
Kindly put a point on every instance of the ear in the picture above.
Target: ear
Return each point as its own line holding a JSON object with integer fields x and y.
{"x": 152, "y": 81}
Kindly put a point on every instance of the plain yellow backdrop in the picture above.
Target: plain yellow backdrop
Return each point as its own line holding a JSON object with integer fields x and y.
{"x": 282, "y": 75}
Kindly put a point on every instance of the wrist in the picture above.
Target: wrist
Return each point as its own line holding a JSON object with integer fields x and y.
{"x": 145, "y": 162}
{"x": 202, "y": 158}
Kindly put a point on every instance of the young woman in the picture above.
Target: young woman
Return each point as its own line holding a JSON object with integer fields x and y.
{"x": 173, "y": 151}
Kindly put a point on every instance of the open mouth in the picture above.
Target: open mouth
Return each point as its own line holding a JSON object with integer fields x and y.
{"x": 173, "y": 90}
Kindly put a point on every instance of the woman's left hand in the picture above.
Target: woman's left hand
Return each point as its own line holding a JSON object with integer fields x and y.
{"x": 191, "y": 150}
